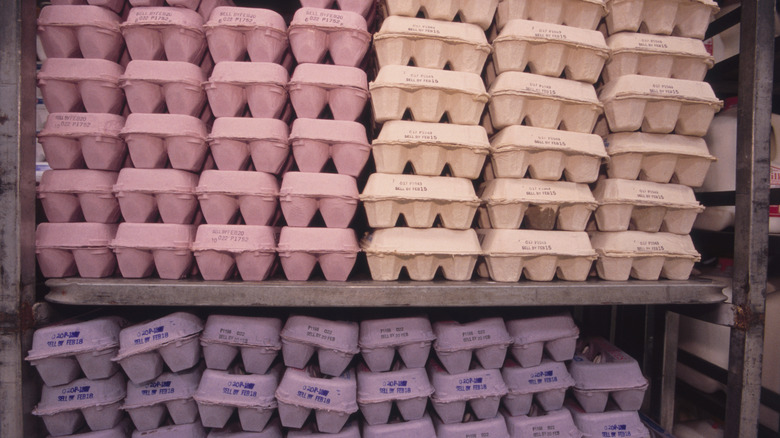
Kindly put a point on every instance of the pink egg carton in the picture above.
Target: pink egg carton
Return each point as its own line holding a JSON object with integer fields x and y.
{"x": 488, "y": 428}
{"x": 226, "y": 194}
{"x": 350, "y": 430}
{"x": 154, "y": 140}
{"x": 421, "y": 428}
{"x": 172, "y": 339}
{"x": 644, "y": 256}
{"x": 61, "y": 352}
{"x": 584, "y": 14}
{"x": 420, "y": 199}
{"x": 481, "y": 388}
{"x": 157, "y": 86}
{"x": 362, "y": 7}
{"x": 76, "y": 140}
{"x": 428, "y": 94}
{"x": 74, "y": 85}
{"x": 541, "y": 205}
{"x": 121, "y": 430}
{"x": 335, "y": 249}
{"x": 189, "y": 430}
{"x": 545, "y": 154}
{"x": 315, "y": 142}
{"x": 171, "y": 394}
{"x": 468, "y": 11}
{"x": 551, "y": 50}
{"x": 145, "y": 194}
{"x": 141, "y": 249}
{"x": 204, "y": 7}
{"x": 486, "y": 338}
{"x": 554, "y": 334}
{"x": 659, "y": 105}
{"x": 303, "y": 194}
{"x": 333, "y": 399}
{"x": 545, "y": 383}
{"x": 335, "y": 342}
{"x": 315, "y": 32}
{"x": 220, "y": 249}
{"x": 543, "y": 102}
{"x": 684, "y": 18}
{"x": 75, "y": 31}
{"x": 556, "y": 423}
{"x": 381, "y": 338}
{"x": 163, "y": 33}
{"x": 422, "y": 251}
{"x": 429, "y": 147}
{"x": 343, "y": 89}
{"x": 75, "y": 195}
{"x": 234, "y": 85}
{"x": 656, "y": 55}
{"x": 233, "y": 430}
{"x": 64, "y": 408}
{"x": 235, "y": 140}
{"x": 612, "y": 420}
{"x": 408, "y": 388}
{"x": 75, "y": 249}
{"x": 115, "y": 5}
{"x": 257, "y": 338}
{"x": 537, "y": 255}
{"x": 235, "y": 32}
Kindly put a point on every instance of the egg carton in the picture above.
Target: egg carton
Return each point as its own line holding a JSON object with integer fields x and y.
{"x": 156, "y": 140}
{"x": 121, "y": 430}
{"x": 343, "y": 89}
{"x": 316, "y": 142}
{"x": 221, "y": 249}
{"x": 301, "y": 248}
{"x": 146, "y": 194}
{"x": 455, "y": 342}
{"x": 407, "y": 388}
{"x": 488, "y": 428}
{"x": 594, "y": 424}
{"x": 161, "y": 33}
{"x": 550, "y": 50}
{"x": 170, "y": 394}
{"x": 75, "y": 195}
{"x": 476, "y": 12}
{"x": 428, "y": 94}
{"x": 76, "y": 31}
{"x": 644, "y": 256}
{"x": 381, "y": 338}
{"x": 422, "y": 252}
{"x": 645, "y": 206}
{"x": 659, "y": 105}
{"x": 256, "y": 338}
{"x": 145, "y": 248}
{"x": 660, "y": 158}
{"x": 234, "y": 85}
{"x": 684, "y": 18}
{"x": 545, "y": 383}
{"x": 303, "y": 194}
{"x": 309, "y": 430}
{"x": 77, "y": 140}
{"x": 335, "y": 342}
{"x": 204, "y": 7}
{"x": 226, "y": 195}
{"x": 233, "y": 33}
{"x": 190, "y": 430}
{"x": 585, "y": 14}
{"x": 656, "y": 55}
{"x": 157, "y": 86}
{"x": 114, "y": 5}
{"x": 332, "y": 399}
{"x": 429, "y": 147}
{"x": 233, "y": 430}
{"x": 554, "y": 334}
{"x": 75, "y": 85}
{"x": 237, "y": 142}
{"x": 420, "y": 199}
{"x": 480, "y": 388}
{"x": 315, "y": 33}
{"x": 431, "y": 44}
{"x": 75, "y": 249}
{"x": 557, "y": 423}
{"x": 362, "y": 7}
{"x": 518, "y": 98}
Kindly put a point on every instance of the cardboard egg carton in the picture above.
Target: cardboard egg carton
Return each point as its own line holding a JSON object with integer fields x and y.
{"x": 303, "y": 194}
{"x": 316, "y": 142}
{"x": 233, "y": 430}
{"x": 558, "y": 423}
{"x": 332, "y": 399}
{"x": 114, "y": 5}
{"x": 381, "y": 338}
{"x": 343, "y": 89}
{"x": 480, "y": 388}
{"x": 234, "y": 85}
{"x": 554, "y": 334}
{"x": 235, "y": 142}
{"x": 301, "y": 248}
{"x": 593, "y": 424}
{"x": 644, "y": 256}
{"x": 428, "y": 94}
{"x": 315, "y": 32}
{"x": 489, "y": 427}
{"x": 75, "y": 249}
{"x": 233, "y": 33}
{"x": 485, "y": 339}
{"x": 225, "y": 194}
{"x": 75, "y": 85}
{"x": 584, "y": 14}
{"x": 190, "y": 430}
{"x": 220, "y": 250}
{"x": 170, "y": 394}
{"x": 420, "y": 199}
{"x": 545, "y": 383}
{"x": 156, "y": 140}
{"x": 422, "y": 428}
{"x": 656, "y": 55}
{"x": 157, "y": 86}
{"x": 76, "y": 31}
{"x": 255, "y": 338}
{"x": 77, "y": 140}
{"x": 407, "y": 388}
{"x": 145, "y": 248}
{"x": 309, "y": 430}
{"x": 334, "y": 341}
{"x": 659, "y": 105}
{"x": 159, "y": 33}
{"x": 422, "y": 252}
{"x": 469, "y": 11}
{"x": 122, "y": 430}
{"x": 144, "y": 195}
{"x": 75, "y": 195}
{"x": 685, "y": 18}
{"x": 362, "y": 7}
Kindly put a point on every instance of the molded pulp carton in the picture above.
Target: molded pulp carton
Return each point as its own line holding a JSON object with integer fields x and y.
{"x": 410, "y": 336}
{"x": 165, "y": 34}
{"x": 645, "y": 206}
{"x": 190, "y": 430}
{"x": 204, "y": 7}
{"x": 233, "y": 430}
{"x": 431, "y": 44}
{"x": 154, "y": 140}
{"x": 420, "y": 199}
{"x": 256, "y": 338}
{"x": 309, "y": 430}
{"x": 220, "y": 249}
{"x": 555, "y": 334}
{"x": 145, "y": 194}
{"x": 557, "y": 423}
{"x": 314, "y": 142}
{"x": 334, "y": 341}
{"x": 421, "y": 428}
{"x": 157, "y": 86}
{"x": 170, "y": 393}
{"x": 302, "y": 194}
{"x": 75, "y": 249}
{"x": 343, "y": 89}
{"x": 469, "y": 11}
{"x": 488, "y": 428}
{"x": 234, "y": 32}
{"x": 60, "y": 353}
{"x": 142, "y": 249}
{"x": 234, "y": 140}
{"x": 172, "y": 338}
{"x": 224, "y": 193}
{"x": 487, "y": 338}
{"x": 480, "y": 388}
{"x": 612, "y": 420}
{"x": 600, "y": 370}
{"x": 73, "y": 140}
{"x": 656, "y": 55}
{"x": 644, "y": 256}
{"x": 659, "y": 105}
{"x": 685, "y": 18}
{"x": 545, "y": 205}
{"x": 114, "y": 5}
{"x": 300, "y": 248}
{"x": 79, "y": 194}
{"x": 121, "y": 430}
{"x": 73, "y": 85}
{"x": 422, "y": 252}
{"x": 429, "y": 147}
{"x": 428, "y": 94}
{"x": 314, "y": 32}
{"x": 550, "y": 50}
{"x": 546, "y": 154}
{"x": 64, "y": 408}
{"x": 75, "y": 31}
{"x": 585, "y": 14}
{"x": 660, "y": 158}
{"x": 234, "y": 85}
{"x": 546, "y": 383}
{"x": 408, "y": 388}
{"x": 362, "y": 7}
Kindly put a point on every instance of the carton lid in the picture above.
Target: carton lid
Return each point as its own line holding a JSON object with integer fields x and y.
{"x": 599, "y": 365}
{"x": 413, "y": 78}
{"x": 640, "y": 243}
{"x": 329, "y": 76}
{"x": 650, "y": 87}
{"x": 238, "y": 182}
{"x": 373, "y": 387}
{"x": 498, "y": 242}
{"x": 308, "y": 184}
{"x": 528, "y": 84}
{"x": 155, "y": 181}
{"x": 249, "y": 128}
{"x": 520, "y": 137}
{"x": 79, "y": 15}
{"x": 542, "y": 328}
{"x": 455, "y": 336}
{"x": 407, "y": 330}
{"x": 82, "y": 124}
{"x": 645, "y": 143}
{"x": 449, "y": 387}
{"x": 151, "y": 335}
{"x": 555, "y": 421}
{"x": 77, "y": 181}
{"x": 235, "y": 238}
{"x": 548, "y": 375}
{"x": 233, "y": 16}
{"x": 329, "y": 19}
{"x": 81, "y": 393}
{"x": 249, "y": 73}
{"x": 330, "y": 131}
{"x": 154, "y": 236}
{"x": 537, "y": 31}
{"x": 241, "y": 390}
{"x": 381, "y": 186}
{"x": 657, "y": 44}
{"x": 79, "y": 69}
{"x": 416, "y": 241}
{"x": 76, "y": 337}
{"x": 343, "y": 335}
{"x": 326, "y": 240}
{"x": 422, "y": 28}
{"x": 165, "y": 125}
{"x": 341, "y": 390}
{"x": 623, "y": 191}
{"x": 510, "y": 190}
{"x": 167, "y": 387}
{"x": 594, "y": 423}
{"x": 164, "y": 16}
{"x": 447, "y": 135}
{"x": 164, "y": 71}
{"x": 252, "y": 331}
{"x": 74, "y": 235}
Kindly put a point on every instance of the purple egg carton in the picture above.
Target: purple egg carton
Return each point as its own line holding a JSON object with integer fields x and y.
{"x": 257, "y": 338}
{"x": 190, "y": 430}
{"x": 487, "y": 338}
{"x": 333, "y": 399}
{"x": 479, "y": 387}
{"x": 335, "y": 342}
{"x": 556, "y": 334}
{"x": 170, "y": 393}
{"x": 546, "y": 382}
{"x": 422, "y": 428}
{"x": 350, "y": 430}
{"x": 600, "y": 369}
{"x": 408, "y": 388}
{"x": 233, "y": 430}
{"x": 221, "y": 393}
{"x": 172, "y": 339}
{"x": 121, "y": 430}
{"x": 381, "y": 338}
{"x": 61, "y": 352}
{"x": 343, "y": 89}
{"x": 315, "y": 32}
{"x": 64, "y": 408}
{"x": 488, "y": 428}
{"x": 611, "y": 422}
{"x": 555, "y": 423}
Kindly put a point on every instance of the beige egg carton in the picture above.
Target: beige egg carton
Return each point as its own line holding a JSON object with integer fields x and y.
{"x": 422, "y": 252}
{"x": 550, "y": 50}
{"x": 659, "y": 105}
{"x": 420, "y": 199}
{"x": 479, "y": 12}
{"x": 685, "y": 18}
{"x": 585, "y": 14}
{"x": 545, "y": 154}
{"x": 431, "y": 44}
{"x": 537, "y": 255}
{"x": 428, "y": 94}
{"x": 660, "y": 158}
{"x": 518, "y": 98}
{"x": 643, "y": 256}
{"x": 541, "y": 205}
{"x": 656, "y": 55}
